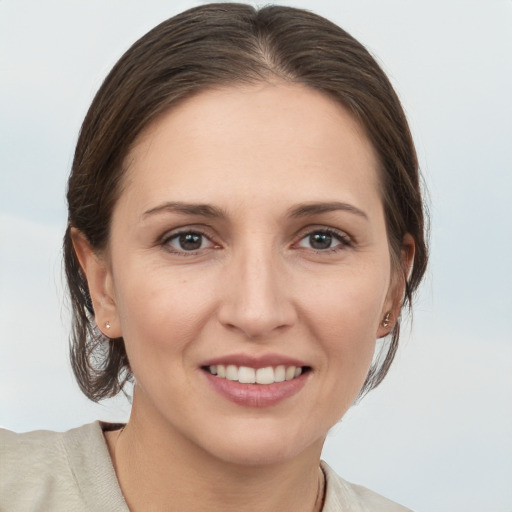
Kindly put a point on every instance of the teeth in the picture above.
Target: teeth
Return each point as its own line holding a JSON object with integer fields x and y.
{"x": 246, "y": 375}
{"x": 231, "y": 372}
{"x": 265, "y": 375}
{"x": 290, "y": 373}
{"x": 280, "y": 374}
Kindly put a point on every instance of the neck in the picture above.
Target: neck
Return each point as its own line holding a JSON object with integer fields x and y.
{"x": 159, "y": 469}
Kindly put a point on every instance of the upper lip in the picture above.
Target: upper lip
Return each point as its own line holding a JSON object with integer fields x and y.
{"x": 250, "y": 361}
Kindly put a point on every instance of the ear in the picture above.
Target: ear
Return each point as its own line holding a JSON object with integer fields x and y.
{"x": 100, "y": 283}
{"x": 394, "y": 299}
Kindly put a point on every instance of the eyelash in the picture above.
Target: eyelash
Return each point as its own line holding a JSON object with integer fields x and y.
{"x": 343, "y": 239}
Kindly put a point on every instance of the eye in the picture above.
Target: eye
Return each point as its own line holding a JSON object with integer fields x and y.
{"x": 324, "y": 240}
{"x": 187, "y": 241}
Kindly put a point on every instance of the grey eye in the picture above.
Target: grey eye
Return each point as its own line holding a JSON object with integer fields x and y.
{"x": 188, "y": 241}
{"x": 320, "y": 240}
{"x": 324, "y": 240}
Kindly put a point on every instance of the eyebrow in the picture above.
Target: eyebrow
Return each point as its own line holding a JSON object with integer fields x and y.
{"x": 203, "y": 210}
{"x": 206, "y": 210}
{"x": 305, "y": 210}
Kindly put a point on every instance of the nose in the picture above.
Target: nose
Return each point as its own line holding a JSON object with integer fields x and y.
{"x": 255, "y": 299}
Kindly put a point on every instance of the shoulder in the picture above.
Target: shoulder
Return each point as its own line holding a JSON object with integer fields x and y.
{"x": 26, "y": 454}
{"x": 345, "y": 496}
{"x": 45, "y": 470}
{"x": 29, "y": 452}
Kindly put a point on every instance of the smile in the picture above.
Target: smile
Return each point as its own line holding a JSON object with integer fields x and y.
{"x": 248, "y": 375}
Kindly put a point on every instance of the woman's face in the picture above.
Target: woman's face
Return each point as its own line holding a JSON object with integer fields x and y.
{"x": 249, "y": 241}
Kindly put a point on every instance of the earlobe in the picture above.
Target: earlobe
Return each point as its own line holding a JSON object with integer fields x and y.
{"x": 395, "y": 299}
{"x": 99, "y": 281}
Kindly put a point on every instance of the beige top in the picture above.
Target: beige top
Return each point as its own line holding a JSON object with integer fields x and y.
{"x": 72, "y": 472}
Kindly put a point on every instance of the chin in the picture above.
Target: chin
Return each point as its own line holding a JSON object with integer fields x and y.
{"x": 257, "y": 454}
{"x": 260, "y": 446}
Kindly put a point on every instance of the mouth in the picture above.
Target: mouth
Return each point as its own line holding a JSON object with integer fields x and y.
{"x": 263, "y": 376}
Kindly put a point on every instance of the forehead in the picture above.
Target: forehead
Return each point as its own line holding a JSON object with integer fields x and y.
{"x": 280, "y": 138}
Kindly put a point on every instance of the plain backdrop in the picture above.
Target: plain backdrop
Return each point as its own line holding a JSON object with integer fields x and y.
{"x": 437, "y": 434}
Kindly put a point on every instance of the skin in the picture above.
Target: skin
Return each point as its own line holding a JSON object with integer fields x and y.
{"x": 258, "y": 284}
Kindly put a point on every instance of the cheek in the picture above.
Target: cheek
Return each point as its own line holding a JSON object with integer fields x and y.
{"x": 348, "y": 303}
{"x": 346, "y": 332}
{"x": 160, "y": 312}
{"x": 343, "y": 316}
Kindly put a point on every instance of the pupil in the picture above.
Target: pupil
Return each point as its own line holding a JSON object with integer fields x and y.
{"x": 190, "y": 241}
{"x": 320, "y": 240}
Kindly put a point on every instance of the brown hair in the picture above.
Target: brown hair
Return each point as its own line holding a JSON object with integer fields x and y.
{"x": 213, "y": 45}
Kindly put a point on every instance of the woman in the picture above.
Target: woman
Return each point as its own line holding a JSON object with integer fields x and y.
{"x": 245, "y": 221}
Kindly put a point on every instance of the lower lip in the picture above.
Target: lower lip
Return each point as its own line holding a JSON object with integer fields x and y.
{"x": 256, "y": 395}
